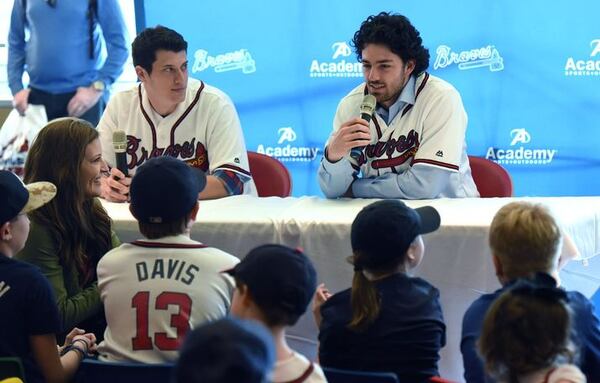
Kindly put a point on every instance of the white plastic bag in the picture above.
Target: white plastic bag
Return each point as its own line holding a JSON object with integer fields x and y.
{"x": 17, "y": 135}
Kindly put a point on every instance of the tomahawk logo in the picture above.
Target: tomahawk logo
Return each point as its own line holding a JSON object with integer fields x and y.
{"x": 341, "y": 49}
{"x": 595, "y": 44}
{"x": 286, "y": 134}
{"x": 519, "y": 136}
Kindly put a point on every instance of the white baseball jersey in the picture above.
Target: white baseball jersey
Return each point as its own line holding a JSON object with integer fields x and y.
{"x": 430, "y": 132}
{"x": 297, "y": 368}
{"x": 204, "y": 131}
{"x": 155, "y": 291}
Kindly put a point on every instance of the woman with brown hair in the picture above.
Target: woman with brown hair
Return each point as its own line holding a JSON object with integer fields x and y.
{"x": 388, "y": 321}
{"x": 526, "y": 335}
{"x": 70, "y": 234}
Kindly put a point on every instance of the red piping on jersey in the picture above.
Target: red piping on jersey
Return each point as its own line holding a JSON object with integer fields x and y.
{"x": 304, "y": 375}
{"x": 409, "y": 106}
{"x": 187, "y": 111}
{"x": 377, "y": 127}
{"x": 179, "y": 120}
{"x": 436, "y": 163}
{"x": 161, "y": 245}
{"x": 152, "y": 128}
{"x": 235, "y": 169}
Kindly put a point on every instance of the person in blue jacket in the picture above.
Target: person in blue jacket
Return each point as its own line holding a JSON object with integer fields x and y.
{"x": 60, "y": 44}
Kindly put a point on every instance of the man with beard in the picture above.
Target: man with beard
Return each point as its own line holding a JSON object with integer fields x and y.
{"x": 413, "y": 147}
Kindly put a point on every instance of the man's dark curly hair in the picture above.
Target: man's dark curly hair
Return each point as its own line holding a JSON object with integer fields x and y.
{"x": 397, "y": 33}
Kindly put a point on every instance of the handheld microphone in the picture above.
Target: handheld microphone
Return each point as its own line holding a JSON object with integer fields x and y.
{"x": 120, "y": 145}
{"x": 366, "y": 111}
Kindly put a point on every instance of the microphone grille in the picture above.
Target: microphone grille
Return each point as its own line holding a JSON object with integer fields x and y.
{"x": 119, "y": 140}
{"x": 368, "y": 104}
{"x": 119, "y": 136}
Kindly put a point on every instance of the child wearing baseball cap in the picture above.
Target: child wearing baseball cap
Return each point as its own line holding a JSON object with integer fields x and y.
{"x": 388, "y": 321}
{"x": 274, "y": 285}
{"x": 29, "y": 319}
{"x": 154, "y": 290}
{"x": 226, "y": 350}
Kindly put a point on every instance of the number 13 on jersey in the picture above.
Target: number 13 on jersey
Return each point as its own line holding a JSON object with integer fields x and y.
{"x": 179, "y": 320}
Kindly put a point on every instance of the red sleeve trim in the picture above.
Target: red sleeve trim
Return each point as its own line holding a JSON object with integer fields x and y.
{"x": 436, "y": 163}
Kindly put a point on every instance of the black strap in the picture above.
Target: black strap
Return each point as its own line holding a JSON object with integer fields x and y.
{"x": 92, "y": 15}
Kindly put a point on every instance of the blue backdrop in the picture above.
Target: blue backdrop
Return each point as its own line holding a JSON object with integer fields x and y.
{"x": 528, "y": 73}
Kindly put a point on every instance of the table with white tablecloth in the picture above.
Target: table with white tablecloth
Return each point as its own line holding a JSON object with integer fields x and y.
{"x": 457, "y": 258}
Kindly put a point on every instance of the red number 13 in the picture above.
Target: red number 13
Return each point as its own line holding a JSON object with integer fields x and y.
{"x": 180, "y": 320}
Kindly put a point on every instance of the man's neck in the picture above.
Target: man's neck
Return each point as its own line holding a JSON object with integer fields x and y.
{"x": 163, "y": 110}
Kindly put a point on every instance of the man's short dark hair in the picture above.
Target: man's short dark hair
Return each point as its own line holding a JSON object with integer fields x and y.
{"x": 150, "y": 40}
{"x": 395, "y": 32}
{"x": 160, "y": 230}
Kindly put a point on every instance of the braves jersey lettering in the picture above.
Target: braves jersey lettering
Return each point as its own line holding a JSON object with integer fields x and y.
{"x": 408, "y": 145}
{"x": 175, "y": 269}
{"x": 190, "y": 151}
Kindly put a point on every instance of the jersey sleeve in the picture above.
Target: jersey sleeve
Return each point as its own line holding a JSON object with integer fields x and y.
{"x": 336, "y": 177}
{"x": 443, "y": 134}
{"x": 225, "y": 140}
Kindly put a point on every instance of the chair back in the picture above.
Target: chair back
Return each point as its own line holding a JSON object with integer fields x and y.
{"x": 335, "y": 375}
{"x": 11, "y": 370}
{"x": 491, "y": 179}
{"x": 271, "y": 177}
{"x": 95, "y": 371}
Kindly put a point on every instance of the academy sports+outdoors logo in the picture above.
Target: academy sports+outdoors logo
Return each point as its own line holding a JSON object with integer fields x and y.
{"x": 520, "y": 155}
{"x": 286, "y": 134}
{"x": 587, "y": 67}
{"x": 487, "y": 56}
{"x": 240, "y": 59}
{"x": 289, "y": 152}
{"x": 337, "y": 67}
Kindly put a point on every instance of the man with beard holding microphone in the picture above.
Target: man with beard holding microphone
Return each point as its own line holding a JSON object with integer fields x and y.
{"x": 413, "y": 145}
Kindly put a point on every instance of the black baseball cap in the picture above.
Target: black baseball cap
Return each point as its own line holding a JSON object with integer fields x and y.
{"x": 18, "y": 198}
{"x": 165, "y": 189}
{"x": 384, "y": 230}
{"x": 227, "y": 350}
{"x": 278, "y": 276}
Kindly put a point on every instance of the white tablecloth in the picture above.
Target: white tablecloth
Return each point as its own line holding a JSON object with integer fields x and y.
{"x": 457, "y": 258}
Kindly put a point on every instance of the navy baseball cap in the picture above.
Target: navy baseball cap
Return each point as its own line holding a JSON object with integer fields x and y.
{"x": 278, "y": 276}
{"x": 385, "y": 229}
{"x": 18, "y": 198}
{"x": 227, "y": 350}
{"x": 165, "y": 189}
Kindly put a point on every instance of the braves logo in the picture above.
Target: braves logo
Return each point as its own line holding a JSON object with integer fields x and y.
{"x": 192, "y": 152}
{"x": 595, "y": 44}
{"x": 286, "y": 134}
{"x": 341, "y": 48}
{"x": 406, "y": 145}
{"x": 519, "y": 135}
